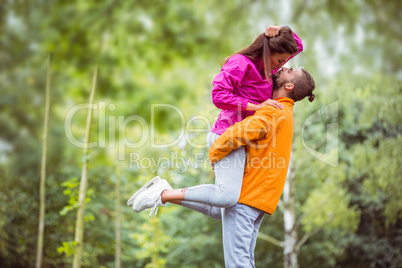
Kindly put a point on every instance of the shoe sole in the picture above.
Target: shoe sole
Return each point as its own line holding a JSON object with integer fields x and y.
{"x": 143, "y": 199}
{"x": 143, "y": 188}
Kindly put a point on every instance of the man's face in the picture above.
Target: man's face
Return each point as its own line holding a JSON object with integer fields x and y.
{"x": 286, "y": 75}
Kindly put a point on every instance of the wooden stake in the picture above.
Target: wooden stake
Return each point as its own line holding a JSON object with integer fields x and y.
{"x": 79, "y": 227}
{"x": 41, "y": 228}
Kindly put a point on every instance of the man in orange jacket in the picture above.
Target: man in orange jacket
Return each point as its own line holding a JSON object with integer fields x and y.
{"x": 267, "y": 136}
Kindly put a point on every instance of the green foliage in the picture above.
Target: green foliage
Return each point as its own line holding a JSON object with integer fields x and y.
{"x": 167, "y": 52}
{"x": 68, "y": 248}
{"x": 328, "y": 207}
{"x": 377, "y": 159}
{"x": 152, "y": 241}
{"x": 385, "y": 180}
{"x": 361, "y": 196}
{"x": 72, "y": 191}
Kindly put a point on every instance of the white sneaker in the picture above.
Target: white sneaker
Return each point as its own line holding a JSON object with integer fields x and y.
{"x": 143, "y": 188}
{"x": 150, "y": 196}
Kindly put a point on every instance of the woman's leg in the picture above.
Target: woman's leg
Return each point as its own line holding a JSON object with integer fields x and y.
{"x": 228, "y": 181}
{"x": 210, "y": 211}
{"x": 208, "y": 198}
{"x": 177, "y": 197}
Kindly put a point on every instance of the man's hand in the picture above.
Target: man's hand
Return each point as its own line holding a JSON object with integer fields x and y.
{"x": 272, "y": 31}
{"x": 274, "y": 103}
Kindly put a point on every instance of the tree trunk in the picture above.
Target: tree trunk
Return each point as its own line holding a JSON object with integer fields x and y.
{"x": 41, "y": 228}
{"x": 289, "y": 215}
{"x": 79, "y": 227}
{"x": 118, "y": 213}
{"x": 155, "y": 253}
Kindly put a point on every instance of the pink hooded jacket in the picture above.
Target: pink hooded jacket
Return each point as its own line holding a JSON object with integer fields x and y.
{"x": 239, "y": 83}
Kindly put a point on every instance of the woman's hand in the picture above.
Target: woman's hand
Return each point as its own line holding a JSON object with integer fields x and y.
{"x": 255, "y": 107}
{"x": 272, "y": 31}
{"x": 274, "y": 103}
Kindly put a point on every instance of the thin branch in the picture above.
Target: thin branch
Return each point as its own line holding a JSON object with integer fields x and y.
{"x": 118, "y": 218}
{"x": 79, "y": 228}
{"x": 270, "y": 239}
{"x": 311, "y": 211}
{"x": 311, "y": 233}
{"x": 42, "y": 186}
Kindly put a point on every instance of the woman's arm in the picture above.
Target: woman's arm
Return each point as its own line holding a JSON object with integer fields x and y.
{"x": 299, "y": 44}
{"x": 229, "y": 79}
{"x": 255, "y": 107}
{"x": 274, "y": 31}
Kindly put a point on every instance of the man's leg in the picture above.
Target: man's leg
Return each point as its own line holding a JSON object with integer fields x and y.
{"x": 257, "y": 224}
{"x": 238, "y": 224}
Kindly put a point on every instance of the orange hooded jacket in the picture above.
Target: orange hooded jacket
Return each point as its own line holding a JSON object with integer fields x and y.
{"x": 268, "y": 138}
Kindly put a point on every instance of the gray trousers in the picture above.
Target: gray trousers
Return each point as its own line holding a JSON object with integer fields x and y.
{"x": 209, "y": 198}
{"x": 240, "y": 223}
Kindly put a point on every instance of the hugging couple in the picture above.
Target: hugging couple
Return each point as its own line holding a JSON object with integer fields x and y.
{"x": 249, "y": 144}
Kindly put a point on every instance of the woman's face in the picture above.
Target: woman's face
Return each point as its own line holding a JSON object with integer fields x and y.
{"x": 278, "y": 60}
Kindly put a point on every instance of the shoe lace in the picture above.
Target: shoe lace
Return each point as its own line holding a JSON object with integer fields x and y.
{"x": 157, "y": 204}
{"x": 154, "y": 209}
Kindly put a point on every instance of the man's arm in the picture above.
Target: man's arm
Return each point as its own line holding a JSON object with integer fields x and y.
{"x": 252, "y": 128}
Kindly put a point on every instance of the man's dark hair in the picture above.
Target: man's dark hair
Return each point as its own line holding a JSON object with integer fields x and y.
{"x": 304, "y": 86}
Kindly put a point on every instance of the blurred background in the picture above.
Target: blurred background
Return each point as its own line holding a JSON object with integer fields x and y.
{"x": 345, "y": 214}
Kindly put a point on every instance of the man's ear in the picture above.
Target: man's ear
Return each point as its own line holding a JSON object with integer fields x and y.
{"x": 289, "y": 86}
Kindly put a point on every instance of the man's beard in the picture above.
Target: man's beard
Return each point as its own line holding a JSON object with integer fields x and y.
{"x": 277, "y": 80}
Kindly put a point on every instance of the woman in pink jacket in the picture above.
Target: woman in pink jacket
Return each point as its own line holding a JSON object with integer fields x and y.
{"x": 243, "y": 86}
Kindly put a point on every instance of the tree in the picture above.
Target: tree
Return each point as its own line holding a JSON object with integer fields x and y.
{"x": 41, "y": 228}
{"x": 79, "y": 229}
{"x": 118, "y": 218}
